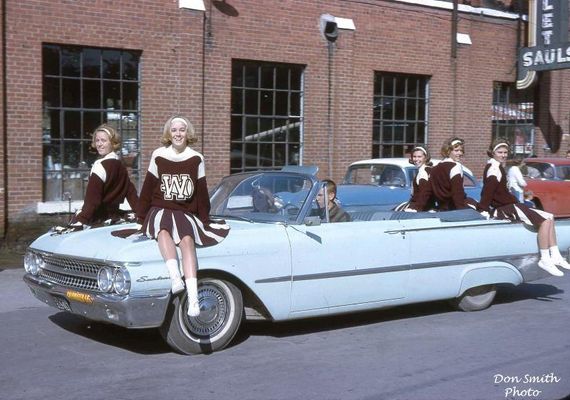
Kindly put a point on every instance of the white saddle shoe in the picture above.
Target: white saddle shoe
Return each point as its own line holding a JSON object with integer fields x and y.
{"x": 193, "y": 308}
{"x": 177, "y": 285}
{"x": 549, "y": 267}
{"x": 560, "y": 262}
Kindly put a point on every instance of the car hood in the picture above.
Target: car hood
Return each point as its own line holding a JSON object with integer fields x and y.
{"x": 99, "y": 244}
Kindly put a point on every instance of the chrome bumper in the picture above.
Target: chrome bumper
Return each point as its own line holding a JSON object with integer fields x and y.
{"x": 126, "y": 311}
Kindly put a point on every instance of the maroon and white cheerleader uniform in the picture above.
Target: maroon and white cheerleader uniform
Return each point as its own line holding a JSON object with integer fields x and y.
{"x": 107, "y": 188}
{"x": 447, "y": 185}
{"x": 175, "y": 198}
{"x": 422, "y": 194}
{"x": 500, "y": 203}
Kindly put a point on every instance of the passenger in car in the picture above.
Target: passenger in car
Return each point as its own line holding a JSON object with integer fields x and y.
{"x": 501, "y": 204}
{"x": 174, "y": 206}
{"x": 108, "y": 183}
{"x": 447, "y": 178}
{"x": 422, "y": 198}
{"x": 336, "y": 213}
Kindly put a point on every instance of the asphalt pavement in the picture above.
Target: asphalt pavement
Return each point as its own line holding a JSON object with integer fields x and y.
{"x": 517, "y": 349}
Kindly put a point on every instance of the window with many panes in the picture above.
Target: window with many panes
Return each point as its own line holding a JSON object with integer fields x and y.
{"x": 513, "y": 117}
{"x": 267, "y": 115}
{"x": 400, "y": 113}
{"x": 83, "y": 88}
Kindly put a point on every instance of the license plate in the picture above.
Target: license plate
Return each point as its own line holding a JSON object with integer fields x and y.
{"x": 79, "y": 297}
{"x": 62, "y": 304}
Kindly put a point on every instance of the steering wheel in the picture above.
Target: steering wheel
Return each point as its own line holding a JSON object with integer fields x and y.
{"x": 263, "y": 200}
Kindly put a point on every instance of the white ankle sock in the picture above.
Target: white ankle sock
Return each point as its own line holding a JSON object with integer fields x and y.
{"x": 192, "y": 288}
{"x": 555, "y": 253}
{"x": 173, "y": 270}
{"x": 545, "y": 254}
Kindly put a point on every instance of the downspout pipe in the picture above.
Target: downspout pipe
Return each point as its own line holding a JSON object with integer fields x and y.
{"x": 4, "y": 154}
{"x": 206, "y": 36}
{"x": 454, "y": 64}
{"x": 454, "y": 30}
{"x": 329, "y": 109}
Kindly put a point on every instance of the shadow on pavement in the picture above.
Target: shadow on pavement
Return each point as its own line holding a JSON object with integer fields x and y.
{"x": 142, "y": 341}
{"x": 349, "y": 320}
{"x": 525, "y": 291}
{"x": 505, "y": 294}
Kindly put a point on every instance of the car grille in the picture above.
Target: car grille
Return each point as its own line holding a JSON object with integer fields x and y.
{"x": 71, "y": 272}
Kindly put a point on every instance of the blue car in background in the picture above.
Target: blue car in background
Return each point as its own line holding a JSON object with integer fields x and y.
{"x": 388, "y": 182}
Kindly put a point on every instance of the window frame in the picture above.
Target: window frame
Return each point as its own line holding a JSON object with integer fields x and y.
{"x": 509, "y": 116}
{"x": 391, "y": 108}
{"x": 71, "y": 77}
{"x": 264, "y": 107}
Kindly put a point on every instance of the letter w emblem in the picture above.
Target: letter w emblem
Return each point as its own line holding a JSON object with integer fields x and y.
{"x": 177, "y": 187}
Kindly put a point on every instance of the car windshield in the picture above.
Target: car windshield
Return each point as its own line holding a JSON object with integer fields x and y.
{"x": 261, "y": 196}
{"x": 540, "y": 170}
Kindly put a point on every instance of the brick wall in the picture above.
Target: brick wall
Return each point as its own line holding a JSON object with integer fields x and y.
{"x": 170, "y": 39}
{"x": 391, "y": 37}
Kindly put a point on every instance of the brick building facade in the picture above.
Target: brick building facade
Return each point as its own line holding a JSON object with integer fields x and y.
{"x": 187, "y": 65}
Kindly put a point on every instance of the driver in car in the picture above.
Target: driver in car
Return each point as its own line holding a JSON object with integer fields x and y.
{"x": 336, "y": 213}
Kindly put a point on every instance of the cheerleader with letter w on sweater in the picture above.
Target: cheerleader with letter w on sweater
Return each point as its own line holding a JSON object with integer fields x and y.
{"x": 174, "y": 206}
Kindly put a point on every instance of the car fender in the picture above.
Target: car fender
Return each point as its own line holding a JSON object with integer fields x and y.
{"x": 255, "y": 307}
{"x": 489, "y": 274}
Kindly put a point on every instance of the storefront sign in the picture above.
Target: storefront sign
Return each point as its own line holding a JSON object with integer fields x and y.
{"x": 549, "y": 48}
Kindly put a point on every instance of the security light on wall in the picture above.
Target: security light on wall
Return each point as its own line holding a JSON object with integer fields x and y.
{"x": 464, "y": 38}
{"x": 329, "y": 26}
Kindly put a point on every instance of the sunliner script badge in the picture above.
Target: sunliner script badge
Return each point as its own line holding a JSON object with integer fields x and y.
{"x": 147, "y": 279}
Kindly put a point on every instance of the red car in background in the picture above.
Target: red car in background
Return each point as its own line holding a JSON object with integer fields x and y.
{"x": 549, "y": 181}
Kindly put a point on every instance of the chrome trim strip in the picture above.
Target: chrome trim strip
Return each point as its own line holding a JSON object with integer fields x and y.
{"x": 515, "y": 260}
{"x": 479, "y": 223}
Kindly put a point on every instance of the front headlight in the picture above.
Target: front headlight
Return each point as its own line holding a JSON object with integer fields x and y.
{"x": 27, "y": 261}
{"x": 122, "y": 281}
{"x": 105, "y": 279}
{"x": 33, "y": 262}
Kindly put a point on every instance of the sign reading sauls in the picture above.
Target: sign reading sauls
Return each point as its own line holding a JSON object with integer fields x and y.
{"x": 549, "y": 47}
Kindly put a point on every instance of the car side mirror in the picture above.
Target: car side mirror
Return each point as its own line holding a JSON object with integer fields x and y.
{"x": 312, "y": 221}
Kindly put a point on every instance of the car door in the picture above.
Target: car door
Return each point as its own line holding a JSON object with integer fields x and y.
{"x": 347, "y": 264}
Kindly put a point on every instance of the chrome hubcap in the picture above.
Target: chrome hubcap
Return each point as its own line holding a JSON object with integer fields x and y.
{"x": 214, "y": 310}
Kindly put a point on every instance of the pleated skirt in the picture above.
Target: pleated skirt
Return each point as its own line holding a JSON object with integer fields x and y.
{"x": 180, "y": 224}
{"x": 520, "y": 212}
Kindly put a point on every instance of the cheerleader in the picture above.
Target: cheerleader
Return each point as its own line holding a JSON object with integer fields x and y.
{"x": 447, "y": 178}
{"x": 501, "y": 204}
{"x": 422, "y": 195}
{"x": 174, "y": 206}
{"x": 108, "y": 184}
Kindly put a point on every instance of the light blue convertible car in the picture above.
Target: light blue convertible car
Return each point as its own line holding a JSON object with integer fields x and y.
{"x": 282, "y": 261}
